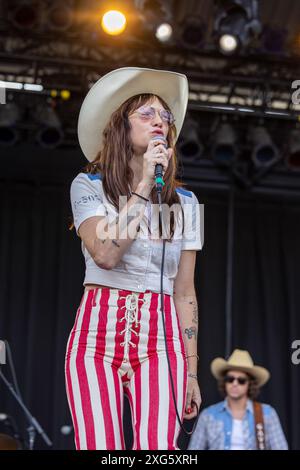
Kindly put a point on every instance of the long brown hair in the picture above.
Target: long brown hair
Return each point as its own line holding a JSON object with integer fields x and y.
{"x": 112, "y": 161}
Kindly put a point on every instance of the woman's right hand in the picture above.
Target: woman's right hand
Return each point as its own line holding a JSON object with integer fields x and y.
{"x": 155, "y": 153}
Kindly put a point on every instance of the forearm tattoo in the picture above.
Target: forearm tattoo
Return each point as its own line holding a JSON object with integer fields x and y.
{"x": 190, "y": 332}
{"x": 195, "y": 313}
{"x": 194, "y": 305}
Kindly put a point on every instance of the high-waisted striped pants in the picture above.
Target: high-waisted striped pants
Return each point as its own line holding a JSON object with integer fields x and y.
{"x": 117, "y": 346}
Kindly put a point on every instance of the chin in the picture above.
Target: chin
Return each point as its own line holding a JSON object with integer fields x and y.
{"x": 237, "y": 397}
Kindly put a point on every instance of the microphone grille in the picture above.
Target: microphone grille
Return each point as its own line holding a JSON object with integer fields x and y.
{"x": 160, "y": 137}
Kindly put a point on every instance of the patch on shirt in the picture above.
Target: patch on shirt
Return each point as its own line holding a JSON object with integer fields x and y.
{"x": 97, "y": 176}
{"x": 184, "y": 192}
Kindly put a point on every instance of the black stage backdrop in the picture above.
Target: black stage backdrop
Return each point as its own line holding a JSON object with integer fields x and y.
{"x": 42, "y": 271}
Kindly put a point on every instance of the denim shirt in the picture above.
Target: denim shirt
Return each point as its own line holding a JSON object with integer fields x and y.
{"x": 139, "y": 268}
{"x": 214, "y": 429}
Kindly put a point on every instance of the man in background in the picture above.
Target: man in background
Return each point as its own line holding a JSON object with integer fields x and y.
{"x": 238, "y": 422}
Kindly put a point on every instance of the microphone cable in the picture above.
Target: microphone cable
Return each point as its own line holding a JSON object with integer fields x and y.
{"x": 188, "y": 433}
{"x": 159, "y": 185}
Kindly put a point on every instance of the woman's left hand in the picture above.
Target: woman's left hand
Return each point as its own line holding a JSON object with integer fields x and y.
{"x": 193, "y": 397}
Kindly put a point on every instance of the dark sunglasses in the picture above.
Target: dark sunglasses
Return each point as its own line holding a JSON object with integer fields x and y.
{"x": 148, "y": 112}
{"x": 229, "y": 379}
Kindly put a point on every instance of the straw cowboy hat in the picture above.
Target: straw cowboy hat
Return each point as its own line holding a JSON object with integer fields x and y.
{"x": 240, "y": 360}
{"x": 111, "y": 90}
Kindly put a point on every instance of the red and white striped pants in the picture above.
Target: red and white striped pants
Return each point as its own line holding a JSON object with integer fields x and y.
{"x": 117, "y": 346}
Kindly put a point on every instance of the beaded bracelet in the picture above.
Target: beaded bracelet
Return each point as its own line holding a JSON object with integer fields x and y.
{"x": 145, "y": 199}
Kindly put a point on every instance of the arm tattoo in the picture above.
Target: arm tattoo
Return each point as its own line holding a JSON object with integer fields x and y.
{"x": 116, "y": 243}
{"x": 195, "y": 313}
{"x": 190, "y": 332}
{"x": 194, "y": 304}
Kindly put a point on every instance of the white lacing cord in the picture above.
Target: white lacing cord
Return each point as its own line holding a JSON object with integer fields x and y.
{"x": 131, "y": 317}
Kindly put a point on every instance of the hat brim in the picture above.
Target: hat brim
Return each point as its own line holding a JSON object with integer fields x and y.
{"x": 219, "y": 366}
{"x": 114, "y": 88}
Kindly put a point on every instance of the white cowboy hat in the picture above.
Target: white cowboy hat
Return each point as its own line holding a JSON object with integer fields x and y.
{"x": 111, "y": 90}
{"x": 240, "y": 360}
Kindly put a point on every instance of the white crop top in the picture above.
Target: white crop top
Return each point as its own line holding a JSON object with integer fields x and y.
{"x": 139, "y": 268}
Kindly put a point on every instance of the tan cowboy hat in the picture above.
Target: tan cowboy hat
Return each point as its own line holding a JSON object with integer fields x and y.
{"x": 240, "y": 360}
{"x": 111, "y": 90}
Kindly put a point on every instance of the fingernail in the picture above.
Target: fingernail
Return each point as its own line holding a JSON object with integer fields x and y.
{"x": 189, "y": 410}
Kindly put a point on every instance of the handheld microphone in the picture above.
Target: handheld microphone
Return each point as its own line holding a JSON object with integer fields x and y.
{"x": 158, "y": 172}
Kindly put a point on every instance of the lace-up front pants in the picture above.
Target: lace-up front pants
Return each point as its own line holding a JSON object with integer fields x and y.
{"x": 117, "y": 347}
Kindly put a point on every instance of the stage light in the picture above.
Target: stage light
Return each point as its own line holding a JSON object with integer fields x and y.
{"x": 25, "y": 15}
{"x": 192, "y": 32}
{"x": 50, "y": 134}
{"x": 33, "y": 87}
{"x": 190, "y": 145}
{"x": 60, "y": 17}
{"x": 113, "y": 22}
{"x": 293, "y": 152}
{"x": 10, "y": 115}
{"x": 164, "y": 32}
{"x": 11, "y": 85}
{"x": 236, "y": 24}
{"x": 155, "y": 10}
{"x": 156, "y": 17}
{"x": 224, "y": 148}
{"x": 21, "y": 86}
{"x": 264, "y": 151}
{"x": 228, "y": 43}
{"x": 65, "y": 94}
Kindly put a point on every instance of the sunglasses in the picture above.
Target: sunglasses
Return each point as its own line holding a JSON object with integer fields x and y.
{"x": 146, "y": 113}
{"x": 229, "y": 379}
